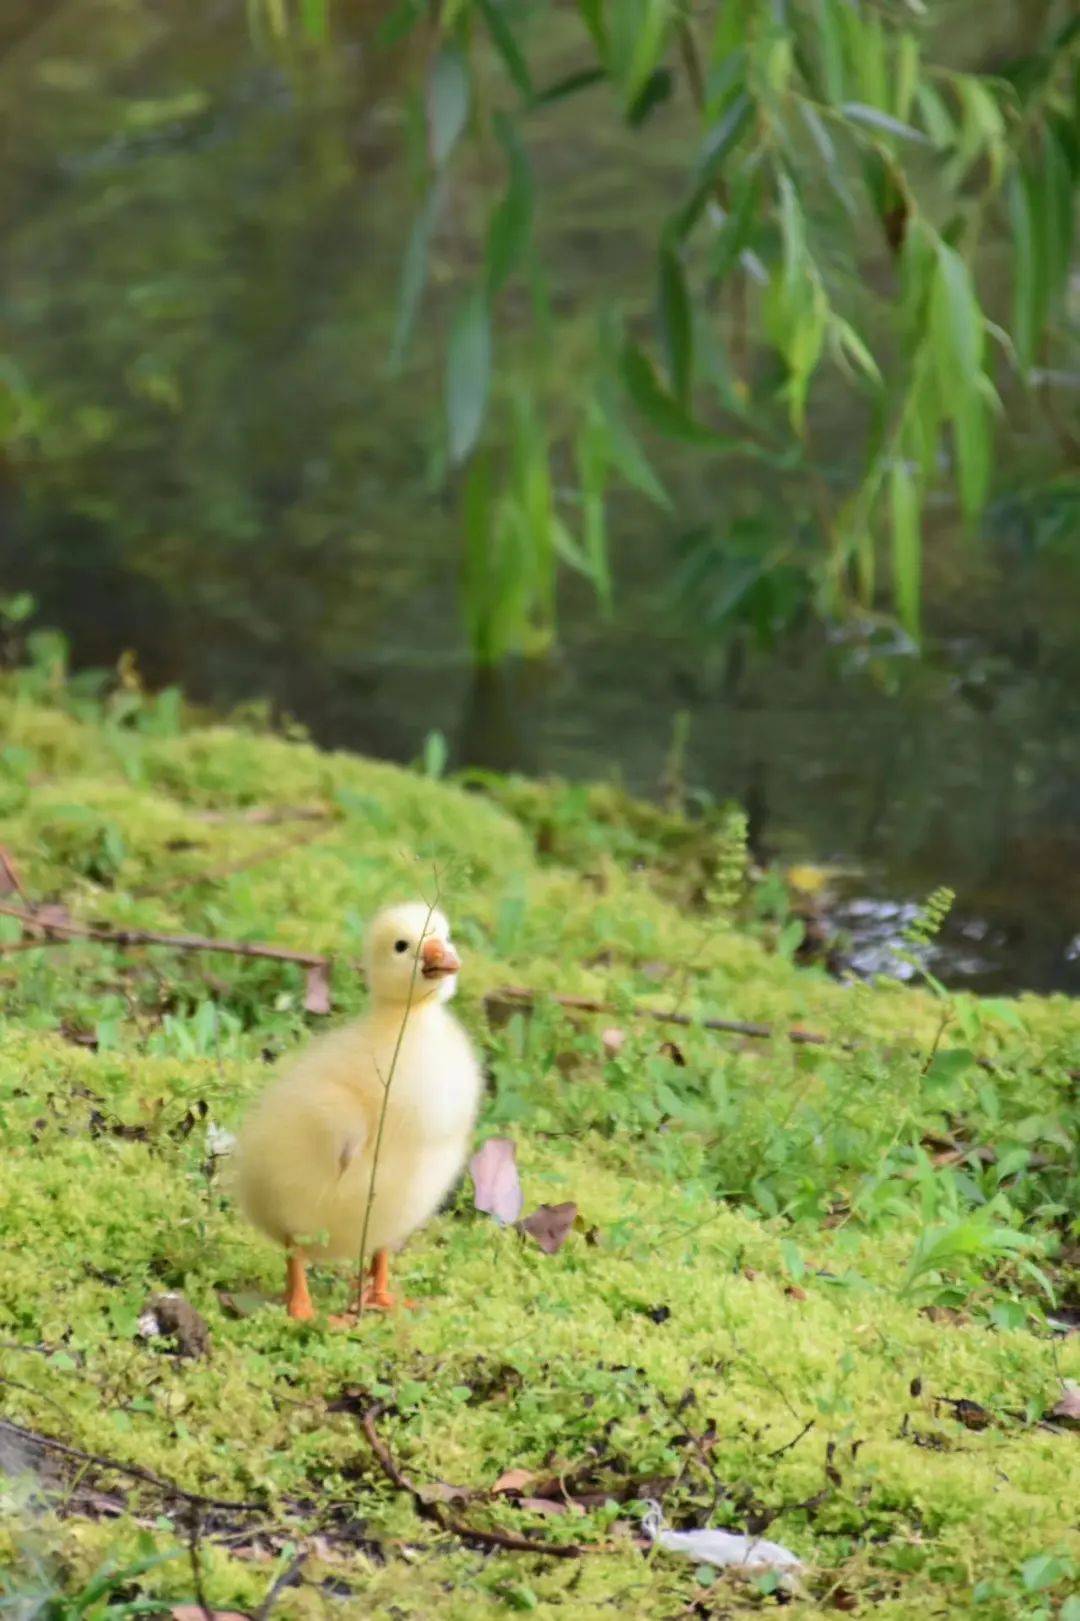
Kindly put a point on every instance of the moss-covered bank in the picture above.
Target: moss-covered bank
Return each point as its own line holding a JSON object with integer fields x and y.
{"x": 760, "y": 1330}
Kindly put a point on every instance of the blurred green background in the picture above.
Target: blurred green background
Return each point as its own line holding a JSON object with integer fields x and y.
{"x": 213, "y": 463}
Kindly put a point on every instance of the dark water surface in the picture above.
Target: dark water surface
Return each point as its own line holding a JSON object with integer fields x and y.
{"x": 198, "y": 264}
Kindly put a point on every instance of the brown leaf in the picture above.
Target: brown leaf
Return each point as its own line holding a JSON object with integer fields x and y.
{"x": 317, "y": 988}
{"x": 795, "y": 1291}
{"x": 612, "y": 1040}
{"x": 80, "y": 1034}
{"x": 1067, "y": 1409}
{"x": 52, "y": 912}
{"x": 496, "y": 1184}
{"x": 671, "y": 1049}
{"x": 513, "y": 1481}
{"x": 550, "y": 1225}
{"x": 971, "y": 1414}
{"x": 439, "y": 1491}
{"x": 945, "y": 1314}
{"x": 542, "y": 1505}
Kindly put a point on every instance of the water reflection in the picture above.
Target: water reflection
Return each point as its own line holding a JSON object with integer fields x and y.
{"x": 201, "y": 253}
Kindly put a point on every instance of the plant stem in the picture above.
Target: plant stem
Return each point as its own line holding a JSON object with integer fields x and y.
{"x": 386, "y": 1085}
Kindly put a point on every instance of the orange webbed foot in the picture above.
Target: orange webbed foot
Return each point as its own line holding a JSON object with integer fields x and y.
{"x": 297, "y": 1299}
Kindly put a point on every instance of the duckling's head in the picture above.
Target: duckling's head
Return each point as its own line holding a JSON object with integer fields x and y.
{"x": 408, "y": 955}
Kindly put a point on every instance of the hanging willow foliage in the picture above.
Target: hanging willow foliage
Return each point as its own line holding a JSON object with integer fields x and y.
{"x": 838, "y": 190}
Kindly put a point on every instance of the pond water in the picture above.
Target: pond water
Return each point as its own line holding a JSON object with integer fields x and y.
{"x": 201, "y": 244}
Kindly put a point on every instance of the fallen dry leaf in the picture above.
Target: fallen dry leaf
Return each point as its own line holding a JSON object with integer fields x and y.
{"x": 542, "y": 1505}
{"x": 440, "y": 1491}
{"x": 612, "y": 1040}
{"x": 971, "y": 1414}
{"x": 1067, "y": 1409}
{"x": 945, "y": 1314}
{"x": 53, "y": 912}
{"x": 317, "y": 989}
{"x": 550, "y": 1225}
{"x": 513, "y": 1481}
{"x": 496, "y": 1184}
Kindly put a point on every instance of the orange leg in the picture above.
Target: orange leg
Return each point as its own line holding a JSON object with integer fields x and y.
{"x": 375, "y": 1295}
{"x": 297, "y": 1300}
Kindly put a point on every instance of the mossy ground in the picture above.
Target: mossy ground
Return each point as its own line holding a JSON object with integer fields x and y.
{"x": 757, "y": 1208}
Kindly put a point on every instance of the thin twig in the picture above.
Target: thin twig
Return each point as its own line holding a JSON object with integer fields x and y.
{"x": 48, "y": 1443}
{"x": 361, "y": 1262}
{"x": 436, "y": 1512}
{"x": 269, "y": 815}
{"x": 147, "y": 937}
{"x": 9, "y": 947}
{"x": 788, "y": 1445}
{"x": 520, "y": 996}
{"x": 214, "y": 875}
{"x": 281, "y": 1581}
{"x": 195, "y": 1556}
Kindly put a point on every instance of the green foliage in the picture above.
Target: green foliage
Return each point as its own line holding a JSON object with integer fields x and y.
{"x": 810, "y": 119}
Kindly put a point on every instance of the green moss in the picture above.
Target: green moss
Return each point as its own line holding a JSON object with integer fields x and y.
{"x": 752, "y": 1212}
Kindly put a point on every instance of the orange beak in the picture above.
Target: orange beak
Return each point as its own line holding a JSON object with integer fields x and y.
{"x": 437, "y": 958}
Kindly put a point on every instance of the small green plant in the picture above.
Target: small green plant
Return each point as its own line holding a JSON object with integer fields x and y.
{"x": 727, "y": 887}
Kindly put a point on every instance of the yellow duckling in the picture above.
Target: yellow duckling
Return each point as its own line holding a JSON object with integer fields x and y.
{"x": 305, "y": 1154}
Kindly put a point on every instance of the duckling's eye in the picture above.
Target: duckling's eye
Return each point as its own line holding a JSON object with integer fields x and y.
{"x": 401, "y": 945}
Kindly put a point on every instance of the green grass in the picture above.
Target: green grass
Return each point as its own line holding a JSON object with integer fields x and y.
{"x": 784, "y": 1236}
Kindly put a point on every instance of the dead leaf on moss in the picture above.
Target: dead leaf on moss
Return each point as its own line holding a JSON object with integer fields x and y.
{"x": 550, "y": 1225}
{"x": 496, "y": 1184}
{"x": 80, "y": 1035}
{"x": 44, "y": 917}
{"x": 1067, "y": 1409}
{"x": 513, "y": 1481}
{"x": 971, "y": 1414}
{"x": 440, "y": 1491}
{"x": 946, "y": 1314}
{"x": 317, "y": 989}
{"x": 545, "y": 1505}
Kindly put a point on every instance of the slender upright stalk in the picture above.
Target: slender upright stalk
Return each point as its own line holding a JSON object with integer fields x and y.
{"x": 386, "y": 1085}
